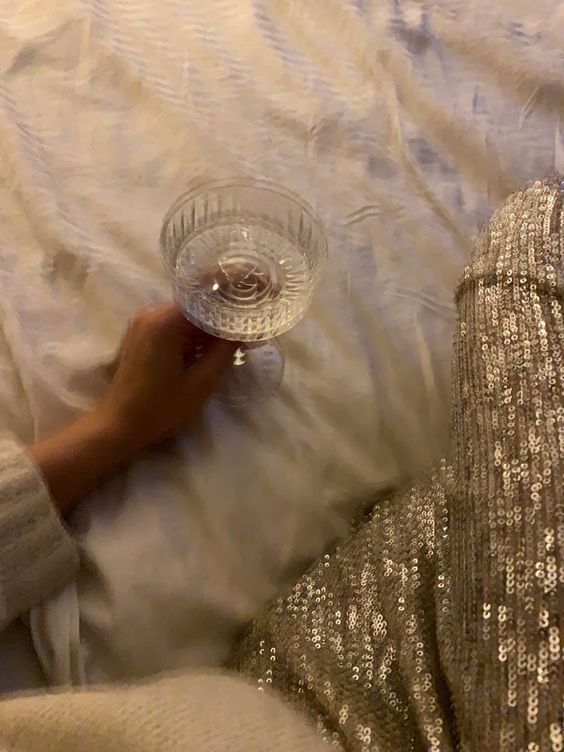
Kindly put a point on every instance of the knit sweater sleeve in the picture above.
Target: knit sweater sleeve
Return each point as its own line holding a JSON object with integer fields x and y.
{"x": 37, "y": 554}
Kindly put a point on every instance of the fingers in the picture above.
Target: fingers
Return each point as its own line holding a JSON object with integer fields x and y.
{"x": 158, "y": 315}
{"x": 165, "y": 324}
{"x": 170, "y": 318}
{"x": 211, "y": 366}
{"x": 169, "y": 330}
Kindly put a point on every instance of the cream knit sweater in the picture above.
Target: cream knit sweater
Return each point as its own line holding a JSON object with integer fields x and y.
{"x": 196, "y": 711}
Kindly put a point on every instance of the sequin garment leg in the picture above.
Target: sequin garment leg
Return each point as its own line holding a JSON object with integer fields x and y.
{"x": 438, "y": 624}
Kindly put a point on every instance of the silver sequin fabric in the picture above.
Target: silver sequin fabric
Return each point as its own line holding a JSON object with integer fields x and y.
{"x": 437, "y": 625}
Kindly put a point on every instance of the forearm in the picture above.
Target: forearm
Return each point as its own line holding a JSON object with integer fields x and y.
{"x": 78, "y": 457}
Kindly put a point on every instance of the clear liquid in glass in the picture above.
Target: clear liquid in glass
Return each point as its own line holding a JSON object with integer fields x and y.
{"x": 242, "y": 281}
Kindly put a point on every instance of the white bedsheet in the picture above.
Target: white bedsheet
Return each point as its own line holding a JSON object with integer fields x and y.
{"x": 403, "y": 121}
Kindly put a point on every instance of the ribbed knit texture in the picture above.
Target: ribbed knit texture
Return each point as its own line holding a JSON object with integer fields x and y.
{"x": 37, "y": 555}
{"x": 189, "y": 713}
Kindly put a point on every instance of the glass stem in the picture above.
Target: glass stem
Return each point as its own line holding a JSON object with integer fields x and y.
{"x": 239, "y": 357}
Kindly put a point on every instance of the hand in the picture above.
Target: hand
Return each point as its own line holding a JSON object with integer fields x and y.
{"x": 158, "y": 387}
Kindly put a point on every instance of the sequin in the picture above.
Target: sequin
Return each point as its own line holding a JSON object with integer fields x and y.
{"x": 440, "y": 625}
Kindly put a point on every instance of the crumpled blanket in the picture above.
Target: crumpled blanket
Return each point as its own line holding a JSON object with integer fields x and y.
{"x": 404, "y": 122}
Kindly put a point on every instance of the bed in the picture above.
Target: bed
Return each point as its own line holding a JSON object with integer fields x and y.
{"x": 403, "y": 122}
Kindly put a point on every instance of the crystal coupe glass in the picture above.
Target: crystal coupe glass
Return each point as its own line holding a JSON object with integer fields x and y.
{"x": 244, "y": 257}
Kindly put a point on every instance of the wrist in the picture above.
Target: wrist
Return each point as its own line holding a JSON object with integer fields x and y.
{"x": 108, "y": 427}
{"x": 79, "y": 456}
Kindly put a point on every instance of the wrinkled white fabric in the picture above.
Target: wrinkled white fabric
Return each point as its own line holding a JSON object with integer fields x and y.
{"x": 405, "y": 122}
